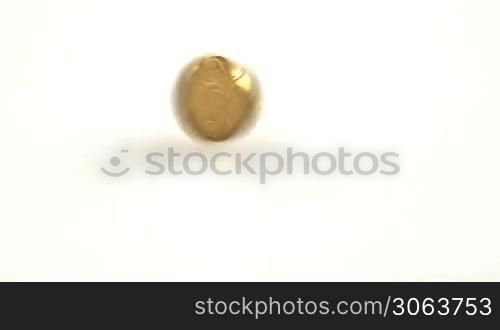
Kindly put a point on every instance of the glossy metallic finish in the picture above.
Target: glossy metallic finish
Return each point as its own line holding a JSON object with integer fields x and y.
{"x": 216, "y": 99}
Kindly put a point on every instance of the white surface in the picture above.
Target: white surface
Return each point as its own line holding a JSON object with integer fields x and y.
{"x": 81, "y": 79}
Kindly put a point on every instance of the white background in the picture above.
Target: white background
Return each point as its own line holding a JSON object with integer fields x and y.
{"x": 81, "y": 79}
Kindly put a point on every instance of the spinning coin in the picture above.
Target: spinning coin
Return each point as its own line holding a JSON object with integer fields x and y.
{"x": 216, "y": 98}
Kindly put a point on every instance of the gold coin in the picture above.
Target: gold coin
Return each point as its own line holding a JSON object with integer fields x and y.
{"x": 216, "y": 98}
